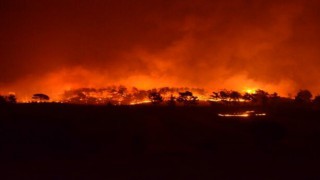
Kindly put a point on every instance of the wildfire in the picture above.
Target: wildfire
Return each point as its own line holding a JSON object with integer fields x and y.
{"x": 245, "y": 114}
{"x": 121, "y": 95}
{"x": 250, "y": 91}
{"x": 141, "y": 102}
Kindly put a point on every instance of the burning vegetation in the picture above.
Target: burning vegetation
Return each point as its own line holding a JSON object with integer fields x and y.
{"x": 121, "y": 95}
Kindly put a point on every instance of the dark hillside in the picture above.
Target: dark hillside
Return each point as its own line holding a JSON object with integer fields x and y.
{"x": 57, "y": 141}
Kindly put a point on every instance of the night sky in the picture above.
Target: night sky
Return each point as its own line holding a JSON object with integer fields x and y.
{"x": 52, "y": 45}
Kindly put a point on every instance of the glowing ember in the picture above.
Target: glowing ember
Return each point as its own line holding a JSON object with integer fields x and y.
{"x": 234, "y": 115}
{"x": 141, "y": 102}
{"x": 244, "y": 114}
{"x": 262, "y": 114}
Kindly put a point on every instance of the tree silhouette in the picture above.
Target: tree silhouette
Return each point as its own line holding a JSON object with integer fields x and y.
{"x": 40, "y": 97}
{"x": 165, "y": 90}
{"x": 224, "y": 95}
{"x": 261, "y": 97}
{"x": 235, "y": 96}
{"x": 172, "y": 101}
{"x": 274, "y": 98}
{"x": 155, "y": 97}
{"x": 303, "y": 96}
{"x": 122, "y": 90}
{"x": 187, "y": 98}
{"x": 215, "y": 96}
{"x": 12, "y": 99}
{"x": 126, "y": 100}
{"x": 140, "y": 95}
{"x": 248, "y": 97}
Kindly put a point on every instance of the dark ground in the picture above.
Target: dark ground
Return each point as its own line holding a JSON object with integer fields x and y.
{"x": 55, "y": 141}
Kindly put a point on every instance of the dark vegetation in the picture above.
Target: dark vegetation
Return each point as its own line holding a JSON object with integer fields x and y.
{"x": 40, "y": 97}
{"x": 9, "y": 99}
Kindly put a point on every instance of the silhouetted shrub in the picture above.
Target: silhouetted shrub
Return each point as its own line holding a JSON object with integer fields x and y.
{"x": 40, "y": 97}
{"x": 155, "y": 98}
{"x": 12, "y": 99}
{"x": 187, "y": 98}
{"x": 303, "y": 97}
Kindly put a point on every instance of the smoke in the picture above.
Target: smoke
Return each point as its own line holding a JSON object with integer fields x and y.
{"x": 52, "y": 46}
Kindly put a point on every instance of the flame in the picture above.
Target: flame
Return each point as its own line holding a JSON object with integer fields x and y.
{"x": 234, "y": 115}
{"x": 121, "y": 95}
{"x": 140, "y": 102}
{"x": 250, "y": 91}
{"x": 244, "y": 114}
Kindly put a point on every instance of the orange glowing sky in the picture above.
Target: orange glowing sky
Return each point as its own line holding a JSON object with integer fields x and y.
{"x": 52, "y": 45}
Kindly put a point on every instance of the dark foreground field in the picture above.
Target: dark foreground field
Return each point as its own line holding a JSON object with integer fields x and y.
{"x": 53, "y": 141}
